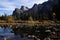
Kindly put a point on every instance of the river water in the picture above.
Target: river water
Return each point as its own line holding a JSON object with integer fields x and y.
{"x": 6, "y": 34}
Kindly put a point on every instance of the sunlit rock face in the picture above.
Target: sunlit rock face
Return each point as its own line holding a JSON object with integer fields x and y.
{"x": 23, "y": 8}
{"x": 17, "y": 12}
{"x": 40, "y": 12}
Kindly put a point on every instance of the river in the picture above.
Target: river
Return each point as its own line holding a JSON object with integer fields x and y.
{"x": 6, "y": 34}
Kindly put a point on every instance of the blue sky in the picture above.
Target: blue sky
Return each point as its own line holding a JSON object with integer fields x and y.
{"x": 7, "y": 6}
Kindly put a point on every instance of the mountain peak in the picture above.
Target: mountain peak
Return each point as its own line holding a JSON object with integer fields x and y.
{"x": 24, "y": 8}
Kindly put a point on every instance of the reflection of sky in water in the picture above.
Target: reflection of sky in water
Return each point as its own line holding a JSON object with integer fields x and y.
{"x": 6, "y": 33}
{"x": 7, "y": 30}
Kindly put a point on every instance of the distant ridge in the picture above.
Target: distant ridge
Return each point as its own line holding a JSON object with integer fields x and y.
{"x": 42, "y": 11}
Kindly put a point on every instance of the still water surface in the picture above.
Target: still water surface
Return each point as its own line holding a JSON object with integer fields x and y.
{"x": 6, "y": 34}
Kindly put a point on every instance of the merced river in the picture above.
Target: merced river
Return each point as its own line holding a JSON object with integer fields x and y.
{"x": 6, "y": 34}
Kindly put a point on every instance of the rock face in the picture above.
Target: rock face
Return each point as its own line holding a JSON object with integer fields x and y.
{"x": 24, "y": 8}
{"x": 39, "y": 12}
{"x": 45, "y": 9}
{"x": 57, "y": 9}
{"x": 17, "y": 12}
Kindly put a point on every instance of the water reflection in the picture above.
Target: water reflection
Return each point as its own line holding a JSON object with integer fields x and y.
{"x": 6, "y": 34}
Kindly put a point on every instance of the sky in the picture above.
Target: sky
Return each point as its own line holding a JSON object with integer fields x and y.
{"x": 7, "y": 6}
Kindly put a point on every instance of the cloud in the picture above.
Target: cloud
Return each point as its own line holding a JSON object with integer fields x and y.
{"x": 10, "y": 5}
{"x": 7, "y": 5}
{"x": 39, "y": 1}
{"x": 29, "y": 3}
